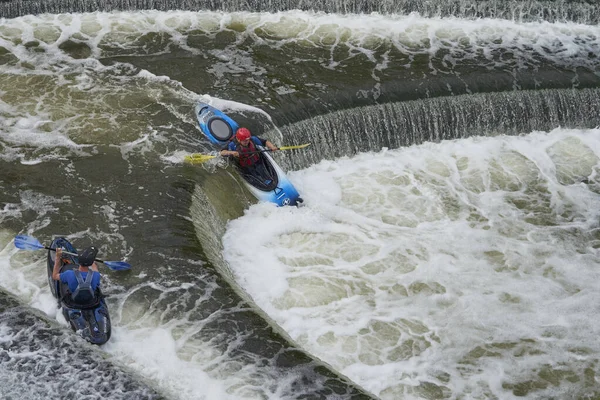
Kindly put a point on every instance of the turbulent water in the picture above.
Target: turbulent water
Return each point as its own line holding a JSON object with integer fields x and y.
{"x": 448, "y": 246}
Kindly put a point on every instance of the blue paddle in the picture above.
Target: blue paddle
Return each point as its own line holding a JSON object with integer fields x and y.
{"x": 25, "y": 242}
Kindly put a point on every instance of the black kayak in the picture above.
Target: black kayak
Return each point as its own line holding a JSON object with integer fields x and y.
{"x": 91, "y": 320}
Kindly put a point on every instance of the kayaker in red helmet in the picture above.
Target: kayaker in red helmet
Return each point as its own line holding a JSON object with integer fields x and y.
{"x": 243, "y": 147}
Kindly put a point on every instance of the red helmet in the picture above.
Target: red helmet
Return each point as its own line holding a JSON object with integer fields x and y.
{"x": 242, "y": 134}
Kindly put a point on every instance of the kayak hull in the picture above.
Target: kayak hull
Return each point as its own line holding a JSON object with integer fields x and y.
{"x": 91, "y": 321}
{"x": 272, "y": 184}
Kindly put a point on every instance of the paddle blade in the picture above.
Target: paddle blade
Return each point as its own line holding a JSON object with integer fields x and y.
{"x": 25, "y": 242}
{"x": 299, "y": 146}
{"x": 116, "y": 265}
{"x": 198, "y": 158}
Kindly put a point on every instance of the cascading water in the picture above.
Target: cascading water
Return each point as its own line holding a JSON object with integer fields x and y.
{"x": 582, "y": 11}
{"x": 363, "y": 292}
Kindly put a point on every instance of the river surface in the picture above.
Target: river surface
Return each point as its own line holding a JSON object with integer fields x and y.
{"x": 447, "y": 247}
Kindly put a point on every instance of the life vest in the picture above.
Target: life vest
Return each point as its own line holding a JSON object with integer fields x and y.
{"x": 84, "y": 294}
{"x": 247, "y": 160}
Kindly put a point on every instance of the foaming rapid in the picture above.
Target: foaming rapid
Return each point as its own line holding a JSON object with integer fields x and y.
{"x": 41, "y": 359}
{"x": 171, "y": 355}
{"x": 92, "y": 104}
{"x": 72, "y": 82}
{"x": 103, "y": 79}
{"x": 44, "y": 40}
{"x": 467, "y": 268}
{"x": 576, "y": 10}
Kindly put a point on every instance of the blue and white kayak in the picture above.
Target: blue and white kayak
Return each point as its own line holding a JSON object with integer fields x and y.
{"x": 272, "y": 184}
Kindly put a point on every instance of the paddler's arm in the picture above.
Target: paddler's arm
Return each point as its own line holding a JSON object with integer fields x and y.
{"x": 265, "y": 143}
{"x": 225, "y": 153}
{"x": 271, "y": 146}
{"x": 56, "y": 270}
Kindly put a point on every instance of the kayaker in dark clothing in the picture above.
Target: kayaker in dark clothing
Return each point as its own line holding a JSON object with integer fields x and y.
{"x": 83, "y": 281}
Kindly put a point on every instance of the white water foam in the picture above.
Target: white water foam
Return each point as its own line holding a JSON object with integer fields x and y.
{"x": 405, "y": 267}
{"x": 79, "y": 104}
{"x": 357, "y": 34}
{"x": 464, "y": 269}
{"x": 155, "y": 354}
{"x": 151, "y": 350}
{"x": 381, "y": 212}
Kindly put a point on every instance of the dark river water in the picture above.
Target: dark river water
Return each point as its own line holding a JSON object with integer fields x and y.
{"x": 97, "y": 114}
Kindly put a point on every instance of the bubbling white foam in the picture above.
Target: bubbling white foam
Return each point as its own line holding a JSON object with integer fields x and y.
{"x": 354, "y": 34}
{"x": 467, "y": 267}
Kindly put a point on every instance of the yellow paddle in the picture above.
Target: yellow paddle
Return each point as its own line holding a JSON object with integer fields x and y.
{"x": 199, "y": 158}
